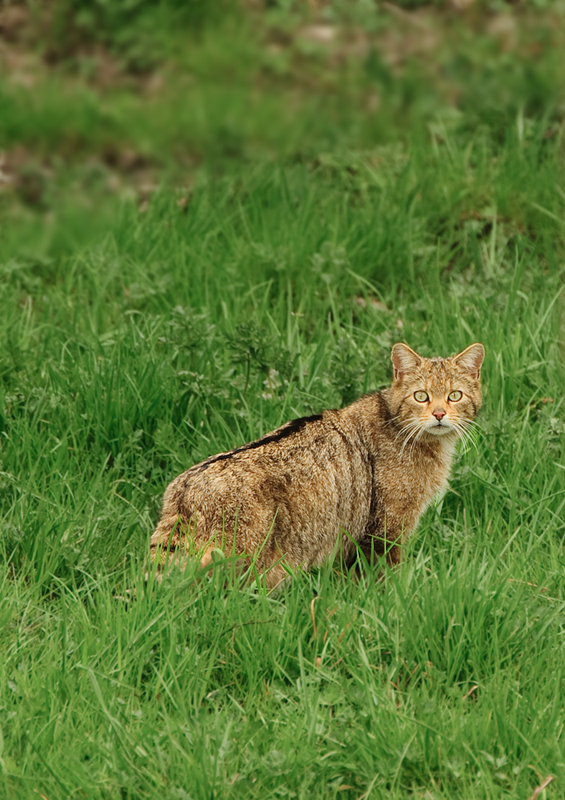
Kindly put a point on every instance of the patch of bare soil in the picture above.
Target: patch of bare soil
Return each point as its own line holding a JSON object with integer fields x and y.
{"x": 35, "y": 182}
{"x": 32, "y": 45}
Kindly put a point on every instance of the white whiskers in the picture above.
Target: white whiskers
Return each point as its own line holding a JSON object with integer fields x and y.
{"x": 468, "y": 431}
{"x": 411, "y": 433}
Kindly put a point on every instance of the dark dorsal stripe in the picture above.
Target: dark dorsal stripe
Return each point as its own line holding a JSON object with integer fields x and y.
{"x": 282, "y": 433}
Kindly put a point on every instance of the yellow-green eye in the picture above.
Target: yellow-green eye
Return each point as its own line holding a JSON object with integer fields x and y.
{"x": 454, "y": 396}
{"x": 421, "y": 397}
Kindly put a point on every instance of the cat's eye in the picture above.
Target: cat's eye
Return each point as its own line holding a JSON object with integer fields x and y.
{"x": 454, "y": 396}
{"x": 421, "y": 396}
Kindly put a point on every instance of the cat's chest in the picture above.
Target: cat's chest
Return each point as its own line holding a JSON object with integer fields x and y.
{"x": 409, "y": 482}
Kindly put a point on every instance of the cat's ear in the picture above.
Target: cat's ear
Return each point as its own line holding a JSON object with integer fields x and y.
{"x": 404, "y": 360}
{"x": 471, "y": 359}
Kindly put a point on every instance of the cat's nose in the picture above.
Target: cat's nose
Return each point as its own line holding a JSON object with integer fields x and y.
{"x": 439, "y": 414}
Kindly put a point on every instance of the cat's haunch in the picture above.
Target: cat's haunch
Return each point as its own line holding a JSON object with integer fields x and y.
{"x": 348, "y": 479}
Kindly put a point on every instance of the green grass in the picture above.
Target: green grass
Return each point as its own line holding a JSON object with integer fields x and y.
{"x": 138, "y": 338}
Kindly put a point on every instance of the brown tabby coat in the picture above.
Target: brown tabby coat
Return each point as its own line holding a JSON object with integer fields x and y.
{"x": 360, "y": 476}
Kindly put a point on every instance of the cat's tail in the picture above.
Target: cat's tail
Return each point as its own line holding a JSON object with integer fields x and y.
{"x": 170, "y": 540}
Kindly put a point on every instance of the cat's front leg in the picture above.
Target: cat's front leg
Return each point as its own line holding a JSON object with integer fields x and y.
{"x": 375, "y": 547}
{"x": 380, "y": 539}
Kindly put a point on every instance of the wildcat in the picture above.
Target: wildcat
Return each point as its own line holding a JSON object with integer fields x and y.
{"x": 348, "y": 479}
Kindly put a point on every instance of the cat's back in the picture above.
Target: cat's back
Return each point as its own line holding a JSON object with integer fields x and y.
{"x": 303, "y": 482}
{"x": 295, "y": 456}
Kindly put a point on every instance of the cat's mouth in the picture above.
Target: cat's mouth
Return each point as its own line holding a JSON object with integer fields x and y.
{"x": 439, "y": 428}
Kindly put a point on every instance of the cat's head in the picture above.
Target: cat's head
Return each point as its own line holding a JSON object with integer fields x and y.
{"x": 436, "y": 396}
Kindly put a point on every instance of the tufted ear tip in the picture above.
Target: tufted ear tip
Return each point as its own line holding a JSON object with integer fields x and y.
{"x": 404, "y": 360}
{"x": 471, "y": 359}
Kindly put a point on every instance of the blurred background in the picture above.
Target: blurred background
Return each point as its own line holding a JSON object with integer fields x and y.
{"x": 103, "y": 101}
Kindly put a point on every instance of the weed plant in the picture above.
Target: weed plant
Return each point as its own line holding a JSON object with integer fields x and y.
{"x": 139, "y": 338}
